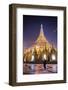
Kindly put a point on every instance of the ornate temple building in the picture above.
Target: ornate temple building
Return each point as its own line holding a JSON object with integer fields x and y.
{"x": 41, "y": 50}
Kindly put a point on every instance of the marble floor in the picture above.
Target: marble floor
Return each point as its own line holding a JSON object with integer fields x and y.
{"x": 39, "y": 68}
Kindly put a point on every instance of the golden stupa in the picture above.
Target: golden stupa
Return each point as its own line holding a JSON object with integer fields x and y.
{"x": 40, "y": 47}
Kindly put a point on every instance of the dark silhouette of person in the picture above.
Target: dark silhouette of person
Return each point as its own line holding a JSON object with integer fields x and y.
{"x": 44, "y": 64}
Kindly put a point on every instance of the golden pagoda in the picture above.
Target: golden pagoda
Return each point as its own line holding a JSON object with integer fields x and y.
{"x": 41, "y": 38}
{"x": 42, "y": 41}
{"x": 41, "y": 46}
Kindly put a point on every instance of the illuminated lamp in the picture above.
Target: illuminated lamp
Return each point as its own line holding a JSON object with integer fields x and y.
{"x": 44, "y": 57}
{"x": 32, "y": 58}
{"x": 53, "y": 57}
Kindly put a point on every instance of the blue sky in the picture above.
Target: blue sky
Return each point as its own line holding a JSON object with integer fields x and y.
{"x": 31, "y": 29}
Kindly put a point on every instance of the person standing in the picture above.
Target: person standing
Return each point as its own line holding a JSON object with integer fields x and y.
{"x": 44, "y": 61}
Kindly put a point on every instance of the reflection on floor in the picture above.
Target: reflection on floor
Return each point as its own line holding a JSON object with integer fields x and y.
{"x": 39, "y": 68}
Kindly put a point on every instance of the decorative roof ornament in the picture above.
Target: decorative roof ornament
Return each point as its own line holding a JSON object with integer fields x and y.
{"x": 41, "y": 38}
{"x": 41, "y": 30}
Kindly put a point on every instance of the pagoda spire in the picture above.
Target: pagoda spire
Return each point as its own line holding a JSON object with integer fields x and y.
{"x": 41, "y": 30}
{"x": 41, "y": 27}
{"x": 41, "y": 38}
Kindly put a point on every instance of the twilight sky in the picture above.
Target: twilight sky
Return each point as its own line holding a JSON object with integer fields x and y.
{"x": 31, "y": 29}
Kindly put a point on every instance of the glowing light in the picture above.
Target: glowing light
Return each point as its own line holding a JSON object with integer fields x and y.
{"x": 32, "y": 58}
{"x": 53, "y": 57}
{"x": 44, "y": 56}
{"x": 24, "y": 59}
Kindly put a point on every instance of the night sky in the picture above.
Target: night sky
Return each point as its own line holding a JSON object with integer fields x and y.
{"x": 31, "y": 29}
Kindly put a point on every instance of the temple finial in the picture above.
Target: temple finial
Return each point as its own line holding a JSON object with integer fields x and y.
{"x": 41, "y": 30}
{"x": 41, "y": 38}
{"x": 41, "y": 26}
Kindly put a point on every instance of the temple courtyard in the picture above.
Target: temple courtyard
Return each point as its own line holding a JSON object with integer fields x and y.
{"x": 39, "y": 69}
